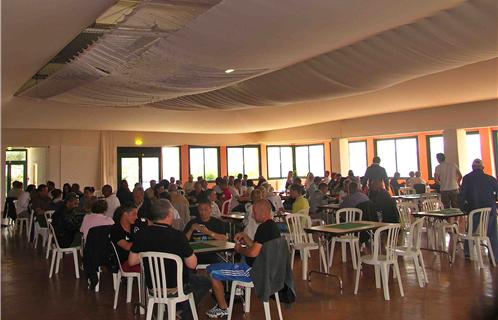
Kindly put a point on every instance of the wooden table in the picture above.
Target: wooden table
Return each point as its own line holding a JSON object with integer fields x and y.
{"x": 433, "y": 218}
{"x": 327, "y": 232}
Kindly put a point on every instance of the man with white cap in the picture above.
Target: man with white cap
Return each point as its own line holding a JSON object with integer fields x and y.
{"x": 479, "y": 190}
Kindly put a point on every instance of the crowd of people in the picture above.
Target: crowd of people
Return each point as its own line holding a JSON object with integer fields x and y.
{"x": 168, "y": 215}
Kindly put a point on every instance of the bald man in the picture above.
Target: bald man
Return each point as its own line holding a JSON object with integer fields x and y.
{"x": 267, "y": 230}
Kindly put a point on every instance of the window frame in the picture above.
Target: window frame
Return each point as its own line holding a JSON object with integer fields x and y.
{"x": 252, "y": 146}
{"x": 138, "y": 152}
{"x": 204, "y": 160}
{"x": 179, "y": 161}
{"x": 428, "y": 143}
{"x": 396, "y": 151}
{"x": 366, "y": 155}
{"x": 8, "y": 181}
{"x": 293, "y": 149}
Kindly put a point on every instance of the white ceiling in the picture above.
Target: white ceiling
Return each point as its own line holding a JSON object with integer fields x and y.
{"x": 298, "y": 63}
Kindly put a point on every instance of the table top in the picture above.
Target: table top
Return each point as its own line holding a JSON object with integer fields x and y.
{"x": 443, "y": 214}
{"x": 233, "y": 216}
{"x": 408, "y": 196}
{"x": 348, "y": 227}
{"x": 211, "y": 246}
{"x": 330, "y": 206}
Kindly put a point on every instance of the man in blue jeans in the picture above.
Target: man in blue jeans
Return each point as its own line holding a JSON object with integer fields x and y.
{"x": 479, "y": 190}
{"x": 250, "y": 248}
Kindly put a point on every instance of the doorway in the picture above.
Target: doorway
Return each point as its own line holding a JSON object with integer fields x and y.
{"x": 16, "y": 167}
{"x": 139, "y": 165}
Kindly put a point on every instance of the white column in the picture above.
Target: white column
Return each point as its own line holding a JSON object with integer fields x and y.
{"x": 455, "y": 148}
{"x": 339, "y": 155}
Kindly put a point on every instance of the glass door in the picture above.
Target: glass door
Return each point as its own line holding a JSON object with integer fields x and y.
{"x": 16, "y": 168}
{"x": 139, "y": 165}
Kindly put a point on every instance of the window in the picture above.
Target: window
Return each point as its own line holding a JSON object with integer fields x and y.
{"x": 139, "y": 165}
{"x": 171, "y": 162}
{"x": 473, "y": 146}
{"x": 300, "y": 159}
{"x": 398, "y": 155}
{"x": 16, "y": 164}
{"x": 280, "y": 162}
{"x": 204, "y": 162}
{"x": 435, "y": 144}
{"x": 309, "y": 159}
{"x": 358, "y": 157}
{"x": 243, "y": 160}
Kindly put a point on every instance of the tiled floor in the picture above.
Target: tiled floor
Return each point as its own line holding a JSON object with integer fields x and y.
{"x": 457, "y": 292}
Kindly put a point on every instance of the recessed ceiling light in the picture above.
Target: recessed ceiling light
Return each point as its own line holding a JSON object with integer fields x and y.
{"x": 229, "y": 70}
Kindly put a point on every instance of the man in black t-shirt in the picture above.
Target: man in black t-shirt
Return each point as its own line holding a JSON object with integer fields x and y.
{"x": 162, "y": 237}
{"x": 122, "y": 234}
{"x": 267, "y": 230}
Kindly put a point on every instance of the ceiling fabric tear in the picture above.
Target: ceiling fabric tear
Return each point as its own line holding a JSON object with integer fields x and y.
{"x": 173, "y": 54}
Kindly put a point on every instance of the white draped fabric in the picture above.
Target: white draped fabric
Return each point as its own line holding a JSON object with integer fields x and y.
{"x": 107, "y": 160}
{"x": 173, "y": 54}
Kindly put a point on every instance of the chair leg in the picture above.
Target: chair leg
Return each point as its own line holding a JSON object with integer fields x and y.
{"x": 418, "y": 272}
{"x": 304, "y": 259}
{"x": 398, "y": 275}
{"x": 150, "y": 309}
{"x": 52, "y": 263}
{"x": 454, "y": 249}
{"x": 331, "y": 254}
{"x": 171, "y": 310}
{"x": 343, "y": 252}
{"x": 76, "y": 266}
{"x": 385, "y": 280}
{"x": 232, "y": 297}
{"x": 129, "y": 288}
{"x": 477, "y": 245}
{"x": 279, "y": 309}
{"x": 321, "y": 252}
{"x": 357, "y": 280}
{"x": 422, "y": 264}
{"x": 266, "y": 306}
{"x": 117, "y": 282}
{"x": 247, "y": 298}
{"x": 192, "y": 306}
{"x": 58, "y": 262}
{"x": 490, "y": 252}
{"x": 352, "y": 247}
{"x": 97, "y": 287}
{"x": 49, "y": 245}
{"x": 377, "y": 276}
{"x": 140, "y": 290}
{"x": 160, "y": 311}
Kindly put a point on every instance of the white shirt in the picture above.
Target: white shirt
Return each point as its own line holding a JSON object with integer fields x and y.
{"x": 447, "y": 173}
{"x": 22, "y": 202}
{"x": 112, "y": 204}
{"x": 235, "y": 195}
{"x": 276, "y": 201}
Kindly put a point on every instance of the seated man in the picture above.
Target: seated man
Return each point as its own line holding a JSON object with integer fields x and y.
{"x": 355, "y": 196}
{"x": 197, "y": 194}
{"x": 96, "y": 218}
{"x": 40, "y": 202}
{"x": 383, "y": 202}
{"x": 206, "y": 227}
{"x": 300, "y": 202}
{"x": 319, "y": 198}
{"x": 141, "y": 202}
{"x": 66, "y": 224}
{"x": 267, "y": 230}
{"x": 122, "y": 234}
{"x": 162, "y": 237}
{"x": 111, "y": 199}
{"x": 395, "y": 185}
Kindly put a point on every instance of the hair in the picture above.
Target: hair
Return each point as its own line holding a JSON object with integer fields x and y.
{"x": 160, "y": 209}
{"x": 50, "y": 183}
{"x": 250, "y": 183}
{"x": 317, "y": 180}
{"x": 350, "y": 173}
{"x": 75, "y": 186}
{"x": 440, "y": 157}
{"x": 91, "y": 189}
{"x": 322, "y": 185}
{"x": 296, "y": 180}
{"x": 117, "y": 214}
{"x": 17, "y": 184}
{"x": 99, "y": 206}
{"x": 165, "y": 195}
{"x": 376, "y": 159}
{"x": 172, "y": 187}
{"x": 208, "y": 193}
{"x": 138, "y": 189}
{"x": 70, "y": 197}
{"x": 353, "y": 187}
{"x": 56, "y": 193}
{"x": 107, "y": 188}
{"x": 30, "y": 188}
{"x": 417, "y": 174}
{"x": 236, "y": 181}
{"x": 296, "y": 187}
{"x": 41, "y": 187}
{"x": 204, "y": 201}
{"x": 256, "y": 195}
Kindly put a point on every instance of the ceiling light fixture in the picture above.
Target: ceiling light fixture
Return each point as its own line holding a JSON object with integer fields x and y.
{"x": 229, "y": 70}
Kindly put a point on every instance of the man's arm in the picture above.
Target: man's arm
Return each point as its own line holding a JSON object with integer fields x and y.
{"x": 249, "y": 251}
{"x": 133, "y": 259}
{"x": 124, "y": 244}
{"x": 190, "y": 262}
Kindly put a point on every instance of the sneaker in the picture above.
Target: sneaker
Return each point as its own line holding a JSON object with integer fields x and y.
{"x": 217, "y": 312}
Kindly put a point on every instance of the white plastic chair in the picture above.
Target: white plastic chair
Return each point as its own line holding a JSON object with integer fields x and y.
{"x": 30, "y": 224}
{"x": 382, "y": 261}
{"x": 247, "y": 300}
{"x": 225, "y": 207}
{"x": 300, "y": 240}
{"x": 42, "y": 231}
{"x": 159, "y": 293}
{"x": 129, "y": 281}
{"x": 58, "y": 252}
{"x": 347, "y": 215}
{"x": 48, "y": 217}
{"x": 478, "y": 237}
{"x": 440, "y": 227}
{"x": 412, "y": 250}
{"x": 406, "y": 209}
{"x": 20, "y": 222}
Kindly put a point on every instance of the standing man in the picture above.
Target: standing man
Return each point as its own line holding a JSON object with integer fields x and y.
{"x": 448, "y": 177}
{"x": 479, "y": 190}
{"x": 111, "y": 199}
{"x": 375, "y": 173}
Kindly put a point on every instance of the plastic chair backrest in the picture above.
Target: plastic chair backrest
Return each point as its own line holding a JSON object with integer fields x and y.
{"x": 225, "y": 207}
{"x": 51, "y": 228}
{"x": 117, "y": 256}
{"x": 391, "y": 232}
{"x": 48, "y": 215}
{"x": 348, "y": 215}
{"x": 414, "y": 242}
{"x": 432, "y": 205}
{"x": 481, "y": 230}
{"x": 296, "y": 223}
{"x": 155, "y": 262}
{"x": 406, "y": 209}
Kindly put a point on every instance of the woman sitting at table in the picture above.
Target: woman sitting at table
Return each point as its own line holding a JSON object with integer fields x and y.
{"x": 383, "y": 202}
{"x": 395, "y": 185}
